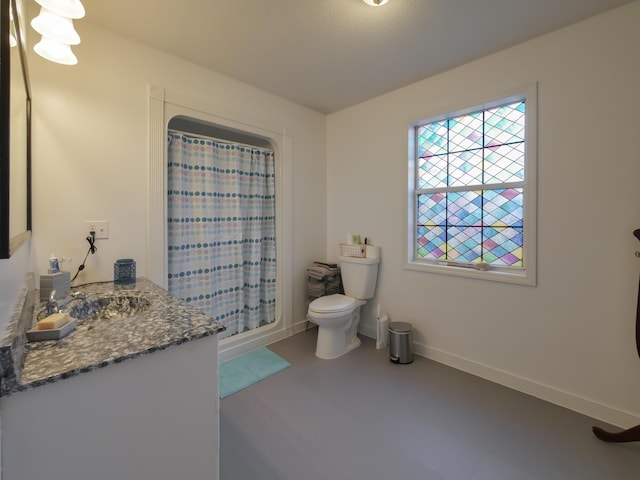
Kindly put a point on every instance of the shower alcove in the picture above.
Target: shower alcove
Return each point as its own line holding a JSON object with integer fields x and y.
{"x": 193, "y": 118}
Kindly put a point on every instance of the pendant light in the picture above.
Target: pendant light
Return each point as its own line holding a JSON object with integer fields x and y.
{"x": 55, "y": 24}
{"x": 373, "y": 3}
{"x": 12, "y": 28}
{"x": 55, "y": 51}
{"x": 55, "y": 27}
{"x": 64, "y": 8}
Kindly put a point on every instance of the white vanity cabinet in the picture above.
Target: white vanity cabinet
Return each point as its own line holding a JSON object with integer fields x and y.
{"x": 153, "y": 417}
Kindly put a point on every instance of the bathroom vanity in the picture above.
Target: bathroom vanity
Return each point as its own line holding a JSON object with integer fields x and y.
{"x": 130, "y": 393}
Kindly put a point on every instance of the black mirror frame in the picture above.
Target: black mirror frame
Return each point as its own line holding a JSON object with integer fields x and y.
{"x": 8, "y": 244}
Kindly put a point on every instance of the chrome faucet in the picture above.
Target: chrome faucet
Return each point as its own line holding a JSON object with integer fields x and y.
{"x": 71, "y": 298}
{"x": 55, "y": 306}
{"x": 52, "y": 304}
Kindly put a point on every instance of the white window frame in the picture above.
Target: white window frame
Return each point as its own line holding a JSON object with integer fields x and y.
{"x": 525, "y": 275}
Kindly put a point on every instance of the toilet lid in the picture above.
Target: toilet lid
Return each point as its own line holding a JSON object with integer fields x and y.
{"x": 332, "y": 304}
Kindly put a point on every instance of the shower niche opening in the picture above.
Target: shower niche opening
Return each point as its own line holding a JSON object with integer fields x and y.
{"x": 222, "y": 223}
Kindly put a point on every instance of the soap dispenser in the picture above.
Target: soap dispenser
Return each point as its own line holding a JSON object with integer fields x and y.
{"x": 54, "y": 265}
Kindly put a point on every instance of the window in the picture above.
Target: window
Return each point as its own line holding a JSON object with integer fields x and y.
{"x": 472, "y": 192}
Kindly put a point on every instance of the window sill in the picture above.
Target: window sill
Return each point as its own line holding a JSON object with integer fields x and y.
{"x": 516, "y": 276}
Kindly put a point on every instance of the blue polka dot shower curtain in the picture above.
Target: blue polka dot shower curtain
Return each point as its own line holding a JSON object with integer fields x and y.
{"x": 221, "y": 229}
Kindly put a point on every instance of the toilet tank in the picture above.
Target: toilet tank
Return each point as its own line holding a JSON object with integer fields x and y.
{"x": 359, "y": 276}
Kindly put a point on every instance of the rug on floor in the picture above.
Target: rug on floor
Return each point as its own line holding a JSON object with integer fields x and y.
{"x": 247, "y": 369}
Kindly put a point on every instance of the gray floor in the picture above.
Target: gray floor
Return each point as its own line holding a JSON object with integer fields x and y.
{"x": 362, "y": 417}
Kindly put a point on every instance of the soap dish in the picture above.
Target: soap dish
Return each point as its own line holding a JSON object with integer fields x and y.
{"x": 35, "y": 335}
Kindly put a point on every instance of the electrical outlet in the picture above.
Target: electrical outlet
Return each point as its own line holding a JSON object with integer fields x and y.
{"x": 100, "y": 227}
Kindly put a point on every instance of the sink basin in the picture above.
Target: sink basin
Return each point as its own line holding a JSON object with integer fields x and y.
{"x": 109, "y": 306}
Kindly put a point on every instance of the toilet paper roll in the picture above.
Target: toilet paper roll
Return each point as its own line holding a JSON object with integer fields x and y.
{"x": 373, "y": 251}
{"x": 349, "y": 238}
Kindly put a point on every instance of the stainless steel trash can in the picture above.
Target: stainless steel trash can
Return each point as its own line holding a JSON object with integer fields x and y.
{"x": 400, "y": 342}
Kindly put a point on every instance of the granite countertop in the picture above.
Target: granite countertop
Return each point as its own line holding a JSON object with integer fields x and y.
{"x": 164, "y": 320}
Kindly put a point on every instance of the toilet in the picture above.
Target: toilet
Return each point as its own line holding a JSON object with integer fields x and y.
{"x": 337, "y": 316}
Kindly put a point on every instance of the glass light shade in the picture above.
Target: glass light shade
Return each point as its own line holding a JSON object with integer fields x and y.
{"x": 373, "y": 3}
{"x": 12, "y": 29}
{"x": 55, "y": 51}
{"x": 53, "y": 26}
{"x": 67, "y": 8}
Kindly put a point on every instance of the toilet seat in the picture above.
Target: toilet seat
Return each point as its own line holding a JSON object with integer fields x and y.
{"x": 335, "y": 304}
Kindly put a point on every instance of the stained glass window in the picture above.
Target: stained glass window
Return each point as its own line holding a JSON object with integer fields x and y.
{"x": 469, "y": 187}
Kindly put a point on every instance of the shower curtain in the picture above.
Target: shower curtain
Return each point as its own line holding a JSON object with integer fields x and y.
{"x": 221, "y": 229}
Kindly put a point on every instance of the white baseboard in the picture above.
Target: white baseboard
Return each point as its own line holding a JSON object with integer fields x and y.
{"x": 577, "y": 403}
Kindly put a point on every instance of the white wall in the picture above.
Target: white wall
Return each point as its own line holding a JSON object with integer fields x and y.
{"x": 12, "y": 275}
{"x": 91, "y": 150}
{"x": 570, "y": 339}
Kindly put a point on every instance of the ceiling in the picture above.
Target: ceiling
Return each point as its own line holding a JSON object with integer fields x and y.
{"x": 330, "y": 54}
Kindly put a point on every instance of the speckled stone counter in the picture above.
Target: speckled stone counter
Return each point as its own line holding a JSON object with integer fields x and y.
{"x": 164, "y": 321}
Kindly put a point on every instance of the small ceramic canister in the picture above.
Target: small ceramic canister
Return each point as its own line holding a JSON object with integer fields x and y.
{"x": 124, "y": 271}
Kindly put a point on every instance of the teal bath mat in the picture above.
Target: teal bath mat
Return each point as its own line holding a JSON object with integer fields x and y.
{"x": 247, "y": 369}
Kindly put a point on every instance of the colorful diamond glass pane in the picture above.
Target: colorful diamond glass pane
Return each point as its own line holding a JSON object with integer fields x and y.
{"x": 465, "y": 168}
{"x": 503, "y": 246}
{"x": 503, "y": 207}
{"x": 465, "y": 132}
{"x": 432, "y": 209}
{"x": 475, "y": 223}
{"x": 464, "y": 208}
{"x": 504, "y": 124}
{"x": 504, "y": 164}
{"x": 464, "y": 244}
{"x": 432, "y": 172}
{"x": 431, "y": 243}
{"x": 432, "y": 139}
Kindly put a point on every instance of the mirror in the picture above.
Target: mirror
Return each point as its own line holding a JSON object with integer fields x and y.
{"x": 15, "y": 130}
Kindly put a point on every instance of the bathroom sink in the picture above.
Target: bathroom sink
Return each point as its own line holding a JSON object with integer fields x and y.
{"x": 109, "y": 306}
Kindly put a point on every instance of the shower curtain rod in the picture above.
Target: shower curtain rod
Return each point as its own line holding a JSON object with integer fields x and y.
{"x": 219, "y": 140}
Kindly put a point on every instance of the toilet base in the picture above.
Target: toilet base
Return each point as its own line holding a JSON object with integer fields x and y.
{"x": 328, "y": 349}
{"x": 337, "y": 332}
